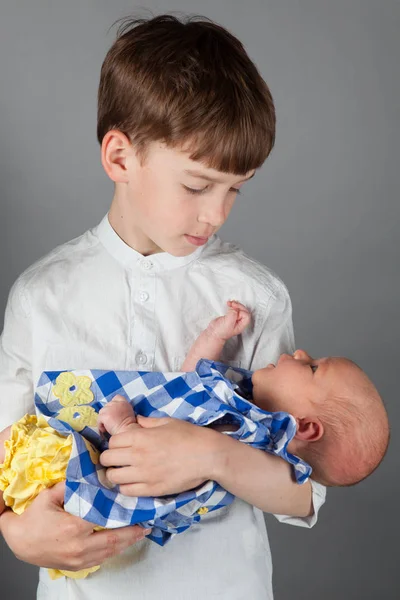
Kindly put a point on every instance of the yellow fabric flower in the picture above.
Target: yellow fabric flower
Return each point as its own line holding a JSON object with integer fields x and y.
{"x": 36, "y": 457}
{"x": 73, "y": 390}
{"x": 203, "y": 510}
{"x": 78, "y": 416}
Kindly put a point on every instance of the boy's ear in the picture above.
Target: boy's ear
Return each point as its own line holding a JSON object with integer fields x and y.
{"x": 115, "y": 149}
{"x": 309, "y": 429}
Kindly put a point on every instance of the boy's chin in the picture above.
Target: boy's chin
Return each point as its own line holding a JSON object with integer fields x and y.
{"x": 179, "y": 252}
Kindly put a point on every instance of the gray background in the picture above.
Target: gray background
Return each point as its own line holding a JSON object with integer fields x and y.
{"x": 323, "y": 213}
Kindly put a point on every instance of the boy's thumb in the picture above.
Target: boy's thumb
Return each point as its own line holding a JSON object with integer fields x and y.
{"x": 57, "y": 493}
{"x": 149, "y": 422}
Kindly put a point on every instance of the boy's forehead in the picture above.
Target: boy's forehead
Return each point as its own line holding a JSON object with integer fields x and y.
{"x": 179, "y": 157}
{"x": 213, "y": 175}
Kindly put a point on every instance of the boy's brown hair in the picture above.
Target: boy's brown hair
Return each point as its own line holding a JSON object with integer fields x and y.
{"x": 190, "y": 84}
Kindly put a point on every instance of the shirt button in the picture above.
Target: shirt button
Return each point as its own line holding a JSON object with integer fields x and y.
{"x": 147, "y": 264}
{"x": 141, "y": 358}
{"x": 143, "y": 296}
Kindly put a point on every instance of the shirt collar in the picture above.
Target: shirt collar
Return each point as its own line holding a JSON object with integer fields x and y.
{"x": 132, "y": 259}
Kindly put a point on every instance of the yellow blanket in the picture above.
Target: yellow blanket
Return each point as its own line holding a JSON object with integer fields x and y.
{"x": 36, "y": 457}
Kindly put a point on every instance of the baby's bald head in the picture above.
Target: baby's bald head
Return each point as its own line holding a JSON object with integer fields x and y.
{"x": 356, "y": 429}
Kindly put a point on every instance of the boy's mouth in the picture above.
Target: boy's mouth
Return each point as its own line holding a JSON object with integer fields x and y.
{"x": 196, "y": 241}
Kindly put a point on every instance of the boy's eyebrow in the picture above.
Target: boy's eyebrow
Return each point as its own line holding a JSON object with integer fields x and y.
{"x": 201, "y": 175}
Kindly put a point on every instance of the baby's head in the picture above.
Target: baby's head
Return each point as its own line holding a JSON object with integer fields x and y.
{"x": 342, "y": 425}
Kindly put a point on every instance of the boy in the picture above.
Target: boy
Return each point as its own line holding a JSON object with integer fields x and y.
{"x": 184, "y": 119}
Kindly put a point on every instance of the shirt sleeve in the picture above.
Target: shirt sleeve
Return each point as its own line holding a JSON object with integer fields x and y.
{"x": 276, "y": 336}
{"x": 16, "y": 388}
{"x": 318, "y": 498}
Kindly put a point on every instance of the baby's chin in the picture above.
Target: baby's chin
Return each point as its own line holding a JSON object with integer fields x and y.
{"x": 262, "y": 402}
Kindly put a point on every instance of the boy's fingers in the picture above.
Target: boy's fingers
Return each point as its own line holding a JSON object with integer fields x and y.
{"x": 118, "y": 457}
{"x": 55, "y": 497}
{"x": 122, "y": 475}
{"x": 135, "y": 490}
{"x": 124, "y": 440}
{"x": 114, "y": 541}
{"x": 121, "y": 440}
{"x": 149, "y": 422}
{"x": 56, "y": 494}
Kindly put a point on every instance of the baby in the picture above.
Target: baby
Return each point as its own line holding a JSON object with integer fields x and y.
{"x": 342, "y": 427}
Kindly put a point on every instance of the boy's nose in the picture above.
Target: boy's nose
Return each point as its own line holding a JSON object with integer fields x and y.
{"x": 215, "y": 218}
{"x": 213, "y": 212}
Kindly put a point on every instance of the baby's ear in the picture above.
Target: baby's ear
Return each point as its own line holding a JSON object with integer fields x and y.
{"x": 309, "y": 429}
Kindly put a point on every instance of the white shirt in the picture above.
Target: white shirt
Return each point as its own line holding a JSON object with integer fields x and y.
{"x": 96, "y": 303}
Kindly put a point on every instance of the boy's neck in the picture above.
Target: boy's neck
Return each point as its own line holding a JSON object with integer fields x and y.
{"x": 122, "y": 220}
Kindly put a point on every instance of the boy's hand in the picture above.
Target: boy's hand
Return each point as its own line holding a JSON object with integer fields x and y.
{"x": 165, "y": 456}
{"x": 4, "y": 435}
{"x": 232, "y": 323}
{"x": 47, "y": 536}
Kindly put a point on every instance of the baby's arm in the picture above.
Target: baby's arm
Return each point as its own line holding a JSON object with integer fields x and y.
{"x": 117, "y": 416}
{"x": 211, "y": 341}
{"x": 4, "y": 435}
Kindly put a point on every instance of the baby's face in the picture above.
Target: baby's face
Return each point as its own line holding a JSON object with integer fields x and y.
{"x": 296, "y": 382}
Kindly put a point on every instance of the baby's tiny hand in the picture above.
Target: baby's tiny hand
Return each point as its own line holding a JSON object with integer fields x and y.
{"x": 116, "y": 416}
{"x": 232, "y": 323}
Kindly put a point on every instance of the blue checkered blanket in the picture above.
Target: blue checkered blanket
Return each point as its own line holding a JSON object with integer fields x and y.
{"x": 212, "y": 394}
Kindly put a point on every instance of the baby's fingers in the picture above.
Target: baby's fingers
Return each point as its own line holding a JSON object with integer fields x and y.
{"x": 232, "y": 314}
{"x": 245, "y": 317}
{"x": 237, "y": 306}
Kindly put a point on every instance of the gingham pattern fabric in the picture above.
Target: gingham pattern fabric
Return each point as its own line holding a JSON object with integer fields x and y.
{"x": 213, "y": 393}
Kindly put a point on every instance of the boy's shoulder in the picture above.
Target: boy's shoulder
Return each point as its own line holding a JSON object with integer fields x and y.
{"x": 59, "y": 263}
{"x": 231, "y": 263}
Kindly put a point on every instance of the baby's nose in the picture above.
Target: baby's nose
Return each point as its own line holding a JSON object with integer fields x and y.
{"x": 301, "y": 355}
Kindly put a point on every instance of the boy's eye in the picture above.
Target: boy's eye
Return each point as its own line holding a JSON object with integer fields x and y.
{"x": 313, "y": 368}
{"x": 194, "y": 190}
{"x": 199, "y": 191}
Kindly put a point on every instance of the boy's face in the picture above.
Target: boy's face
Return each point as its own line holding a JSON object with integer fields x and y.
{"x": 299, "y": 383}
{"x": 172, "y": 203}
